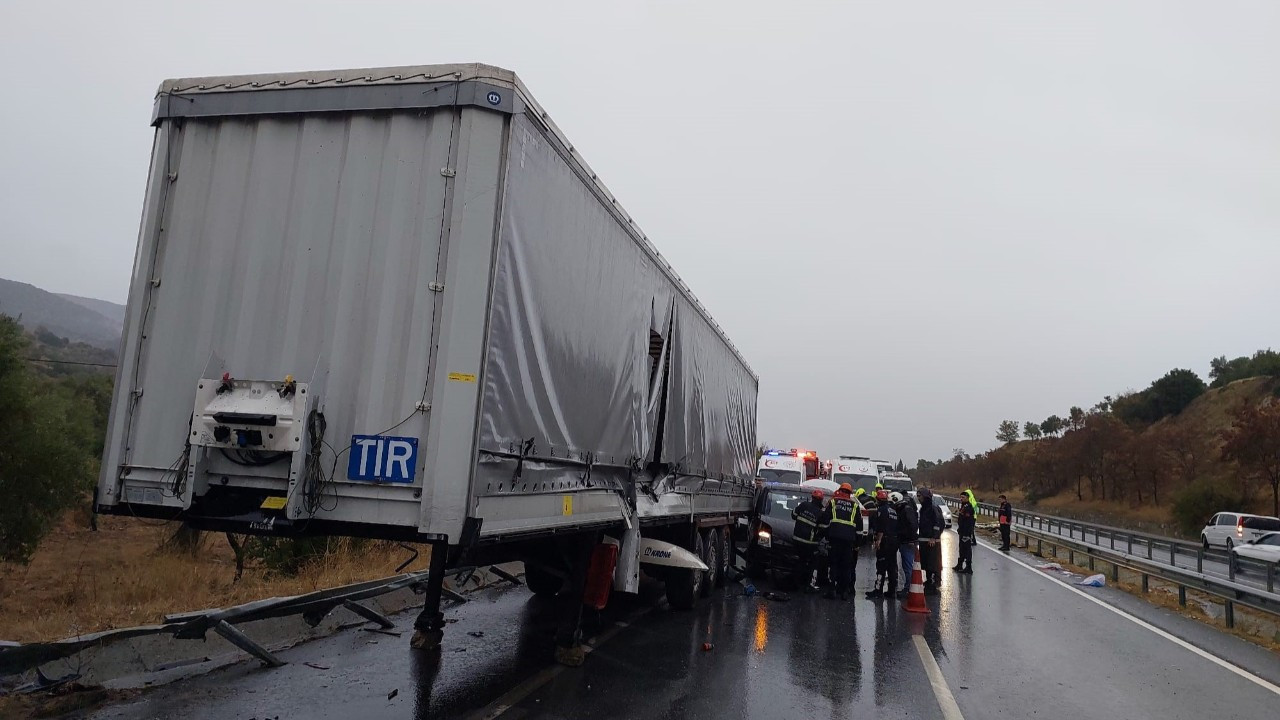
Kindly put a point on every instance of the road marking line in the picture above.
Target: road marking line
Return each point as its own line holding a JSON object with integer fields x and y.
{"x": 946, "y": 701}
{"x": 1227, "y": 665}
{"x": 515, "y": 695}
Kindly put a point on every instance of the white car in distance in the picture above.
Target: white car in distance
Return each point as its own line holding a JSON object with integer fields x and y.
{"x": 1265, "y": 549}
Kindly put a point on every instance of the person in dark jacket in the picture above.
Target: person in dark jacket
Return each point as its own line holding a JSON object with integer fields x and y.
{"x": 931, "y": 526}
{"x": 811, "y": 522}
{"x": 884, "y": 525}
{"x": 966, "y": 525}
{"x": 842, "y": 536}
{"x": 908, "y": 533}
{"x": 1006, "y": 522}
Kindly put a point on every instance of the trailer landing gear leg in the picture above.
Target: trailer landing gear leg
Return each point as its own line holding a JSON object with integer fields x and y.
{"x": 428, "y": 629}
{"x": 577, "y": 554}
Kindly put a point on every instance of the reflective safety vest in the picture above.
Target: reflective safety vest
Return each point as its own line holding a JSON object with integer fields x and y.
{"x": 808, "y": 517}
{"x": 844, "y": 511}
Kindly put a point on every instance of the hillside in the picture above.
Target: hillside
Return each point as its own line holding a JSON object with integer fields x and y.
{"x": 111, "y": 311}
{"x": 86, "y": 320}
{"x": 1105, "y": 466}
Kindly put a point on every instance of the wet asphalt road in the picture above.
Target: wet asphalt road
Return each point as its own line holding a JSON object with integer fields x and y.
{"x": 1009, "y": 641}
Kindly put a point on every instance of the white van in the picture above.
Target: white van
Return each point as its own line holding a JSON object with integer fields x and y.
{"x": 1228, "y": 529}
{"x": 776, "y": 466}
{"x": 859, "y": 472}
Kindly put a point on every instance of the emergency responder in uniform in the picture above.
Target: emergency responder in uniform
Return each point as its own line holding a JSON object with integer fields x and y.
{"x": 885, "y": 526}
{"x": 931, "y": 527}
{"x": 842, "y": 536}
{"x": 811, "y": 522}
{"x": 1006, "y": 522}
{"x": 908, "y": 532}
{"x": 966, "y": 526}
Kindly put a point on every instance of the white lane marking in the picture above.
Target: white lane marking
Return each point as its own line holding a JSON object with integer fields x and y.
{"x": 946, "y": 701}
{"x": 1143, "y": 623}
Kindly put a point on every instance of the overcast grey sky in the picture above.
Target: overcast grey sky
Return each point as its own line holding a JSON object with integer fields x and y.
{"x": 915, "y": 219}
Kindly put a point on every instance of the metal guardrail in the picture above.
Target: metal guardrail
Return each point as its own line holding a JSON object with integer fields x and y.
{"x": 1038, "y": 527}
{"x": 313, "y": 607}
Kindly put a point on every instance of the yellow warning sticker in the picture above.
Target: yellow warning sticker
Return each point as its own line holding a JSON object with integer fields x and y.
{"x": 462, "y": 377}
{"x": 566, "y": 505}
{"x": 274, "y": 503}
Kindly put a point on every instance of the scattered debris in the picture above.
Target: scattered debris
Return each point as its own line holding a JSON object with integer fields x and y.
{"x": 392, "y": 633}
{"x": 1094, "y": 581}
{"x": 1050, "y": 566}
{"x": 393, "y": 693}
{"x": 749, "y": 590}
{"x": 707, "y": 646}
{"x": 777, "y": 596}
{"x": 476, "y": 633}
{"x": 317, "y": 666}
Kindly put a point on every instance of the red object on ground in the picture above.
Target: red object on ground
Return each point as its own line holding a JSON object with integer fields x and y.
{"x": 707, "y": 646}
{"x": 600, "y": 576}
{"x": 915, "y": 598}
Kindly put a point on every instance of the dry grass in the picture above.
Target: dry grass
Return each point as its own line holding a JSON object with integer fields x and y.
{"x": 81, "y": 581}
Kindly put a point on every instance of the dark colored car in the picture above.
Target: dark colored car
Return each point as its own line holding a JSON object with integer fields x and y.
{"x": 771, "y": 544}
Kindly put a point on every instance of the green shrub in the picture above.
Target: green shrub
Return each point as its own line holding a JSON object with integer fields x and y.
{"x": 45, "y": 466}
{"x": 1196, "y": 503}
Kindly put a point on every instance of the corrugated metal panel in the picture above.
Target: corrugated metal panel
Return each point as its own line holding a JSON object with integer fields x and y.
{"x": 575, "y": 301}
{"x": 301, "y": 245}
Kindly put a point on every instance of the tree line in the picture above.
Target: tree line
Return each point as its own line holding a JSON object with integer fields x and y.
{"x": 1132, "y": 448}
{"x": 55, "y": 396}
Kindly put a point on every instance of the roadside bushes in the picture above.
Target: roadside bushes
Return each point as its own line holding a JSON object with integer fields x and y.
{"x": 46, "y": 460}
{"x": 1196, "y": 503}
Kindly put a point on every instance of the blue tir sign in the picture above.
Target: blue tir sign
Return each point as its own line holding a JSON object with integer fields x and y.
{"x": 379, "y": 458}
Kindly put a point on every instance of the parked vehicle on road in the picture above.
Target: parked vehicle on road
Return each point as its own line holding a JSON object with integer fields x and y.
{"x": 943, "y": 508}
{"x": 859, "y": 472}
{"x": 396, "y": 303}
{"x": 781, "y": 466}
{"x": 771, "y": 545}
{"x": 1228, "y": 529}
{"x": 899, "y": 482}
{"x": 1265, "y": 548}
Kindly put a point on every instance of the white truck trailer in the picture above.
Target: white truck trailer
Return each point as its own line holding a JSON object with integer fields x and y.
{"x": 396, "y": 303}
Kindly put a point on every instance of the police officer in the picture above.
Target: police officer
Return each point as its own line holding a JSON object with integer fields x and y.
{"x": 842, "y": 536}
{"x": 966, "y": 525}
{"x": 885, "y": 526}
{"x": 811, "y": 522}
{"x": 931, "y": 527}
{"x": 908, "y": 533}
{"x": 1006, "y": 522}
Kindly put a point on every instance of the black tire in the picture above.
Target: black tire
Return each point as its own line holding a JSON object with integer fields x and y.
{"x": 1205, "y": 540}
{"x": 755, "y": 566}
{"x": 711, "y": 556}
{"x": 726, "y": 553}
{"x": 1230, "y": 545}
{"x": 684, "y": 586}
{"x": 540, "y": 581}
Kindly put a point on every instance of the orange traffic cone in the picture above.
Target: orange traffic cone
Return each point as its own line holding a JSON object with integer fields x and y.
{"x": 915, "y": 597}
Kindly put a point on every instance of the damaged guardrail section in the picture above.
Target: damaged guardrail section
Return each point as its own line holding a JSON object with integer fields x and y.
{"x": 312, "y": 608}
{"x": 16, "y": 658}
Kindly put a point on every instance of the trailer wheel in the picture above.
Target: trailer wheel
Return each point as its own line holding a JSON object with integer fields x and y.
{"x": 725, "y": 536}
{"x": 710, "y": 556}
{"x": 542, "y": 582}
{"x": 683, "y": 585}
